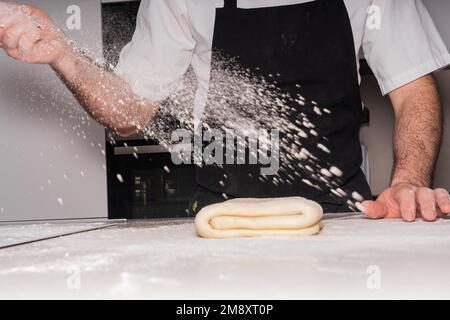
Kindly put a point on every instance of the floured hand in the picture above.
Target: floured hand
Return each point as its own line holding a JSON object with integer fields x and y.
{"x": 28, "y": 34}
{"x": 408, "y": 202}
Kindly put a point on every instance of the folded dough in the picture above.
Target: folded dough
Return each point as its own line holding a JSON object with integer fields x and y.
{"x": 281, "y": 217}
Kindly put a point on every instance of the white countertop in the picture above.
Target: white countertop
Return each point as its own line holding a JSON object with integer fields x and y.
{"x": 165, "y": 259}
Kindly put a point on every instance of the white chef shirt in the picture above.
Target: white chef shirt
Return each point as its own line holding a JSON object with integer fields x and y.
{"x": 172, "y": 35}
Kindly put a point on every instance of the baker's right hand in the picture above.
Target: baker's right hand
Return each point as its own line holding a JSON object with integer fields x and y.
{"x": 28, "y": 34}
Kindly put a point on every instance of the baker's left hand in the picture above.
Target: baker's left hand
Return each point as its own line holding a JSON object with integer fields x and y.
{"x": 408, "y": 202}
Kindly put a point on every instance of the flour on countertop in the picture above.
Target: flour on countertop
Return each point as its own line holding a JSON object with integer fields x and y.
{"x": 170, "y": 261}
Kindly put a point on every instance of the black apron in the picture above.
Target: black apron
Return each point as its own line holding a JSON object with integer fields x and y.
{"x": 311, "y": 49}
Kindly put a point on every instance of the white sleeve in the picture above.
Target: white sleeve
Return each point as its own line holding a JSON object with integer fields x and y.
{"x": 405, "y": 46}
{"x": 161, "y": 50}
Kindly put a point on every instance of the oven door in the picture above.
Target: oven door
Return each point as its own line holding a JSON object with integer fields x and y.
{"x": 144, "y": 183}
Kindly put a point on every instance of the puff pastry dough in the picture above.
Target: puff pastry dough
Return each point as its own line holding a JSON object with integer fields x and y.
{"x": 278, "y": 217}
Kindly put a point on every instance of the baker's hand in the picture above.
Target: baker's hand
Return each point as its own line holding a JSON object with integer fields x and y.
{"x": 28, "y": 34}
{"x": 408, "y": 202}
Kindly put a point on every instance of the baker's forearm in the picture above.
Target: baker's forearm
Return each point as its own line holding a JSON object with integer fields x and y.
{"x": 417, "y": 139}
{"x": 107, "y": 97}
{"x": 28, "y": 34}
{"x": 418, "y": 131}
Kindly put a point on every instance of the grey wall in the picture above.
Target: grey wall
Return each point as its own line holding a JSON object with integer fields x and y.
{"x": 51, "y": 153}
{"x": 379, "y": 135}
{"x": 440, "y": 11}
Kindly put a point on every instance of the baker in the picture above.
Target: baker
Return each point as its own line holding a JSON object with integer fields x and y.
{"x": 312, "y": 46}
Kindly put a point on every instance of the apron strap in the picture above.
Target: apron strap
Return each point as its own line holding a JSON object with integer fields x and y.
{"x": 230, "y": 4}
